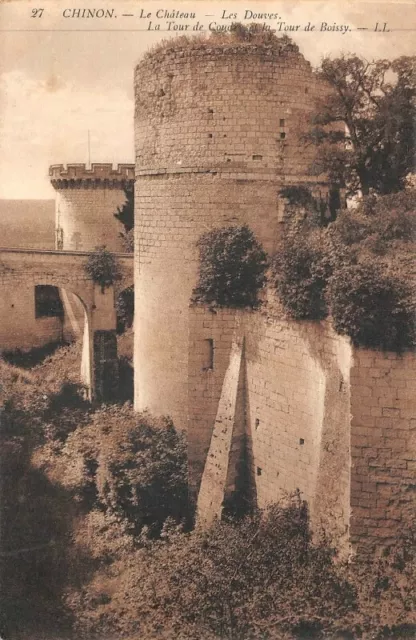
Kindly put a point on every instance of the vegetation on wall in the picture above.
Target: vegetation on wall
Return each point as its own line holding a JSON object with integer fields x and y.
{"x": 102, "y": 267}
{"x": 232, "y": 268}
{"x": 300, "y": 274}
{"x": 359, "y": 269}
{"x": 239, "y": 35}
{"x": 372, "y": 307}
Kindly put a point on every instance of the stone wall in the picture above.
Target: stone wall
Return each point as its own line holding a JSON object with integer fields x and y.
{"x": 19, "y": 327}
{"x": 297, "y": 408}
{"x": 217, "y": 134}
{"x": 334, "y": 422}
{"x": 383, "y": 447}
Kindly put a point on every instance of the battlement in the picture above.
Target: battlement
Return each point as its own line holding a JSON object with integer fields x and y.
{"x": 79, "y": 175}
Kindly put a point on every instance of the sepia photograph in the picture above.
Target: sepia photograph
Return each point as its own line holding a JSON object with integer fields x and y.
{"x": 207, "y": 320}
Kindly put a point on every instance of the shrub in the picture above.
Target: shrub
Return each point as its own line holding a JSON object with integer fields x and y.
{"x": 259, "y": 577}
{"x": 142, "y": 468}
{"x": 66, "y": 410}
{"x": 378, "y": 222}
{"x": 301, "y": 272}
{"x": 232, "y": 268}
{"x": 102, "y": 267}
{"x": 372, "y": 307}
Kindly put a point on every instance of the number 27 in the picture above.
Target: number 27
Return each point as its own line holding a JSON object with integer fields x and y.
{"x": 37, "y": 13}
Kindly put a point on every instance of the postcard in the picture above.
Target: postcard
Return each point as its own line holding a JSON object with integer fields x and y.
{"x": 207, "y": 319}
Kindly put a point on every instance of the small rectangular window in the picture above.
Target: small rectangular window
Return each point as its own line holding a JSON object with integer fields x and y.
{"x": 282, "y": 122}
{"x": 208, "y": 355}
{"x": 282, "y": 135}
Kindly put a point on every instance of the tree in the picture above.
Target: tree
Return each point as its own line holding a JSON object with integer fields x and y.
{"x": 365, "y": 129}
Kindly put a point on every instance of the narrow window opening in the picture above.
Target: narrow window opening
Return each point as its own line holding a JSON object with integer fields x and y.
{"x": 210, "y": 135}
{"x": 259, "y": 471}
{"x": 282, "y": 135}
{"x": 208, "y": 355}
{"x": 257, "y": 157}
{"x": 257, "y": 423}
{"x": 282, "y": 122}
{"x": 301, "y": 441}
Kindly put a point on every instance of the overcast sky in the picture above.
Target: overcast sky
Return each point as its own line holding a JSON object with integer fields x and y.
{"x": 58, "y": 83}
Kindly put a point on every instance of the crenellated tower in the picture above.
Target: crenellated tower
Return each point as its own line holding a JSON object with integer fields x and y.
{"x": 86, "y": 201}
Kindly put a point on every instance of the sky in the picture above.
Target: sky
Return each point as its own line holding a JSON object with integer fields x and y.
{"x": 62, "y": 77}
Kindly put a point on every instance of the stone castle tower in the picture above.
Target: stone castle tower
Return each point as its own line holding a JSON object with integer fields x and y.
{"x": 86, "y": 200}
{"x": 217, "y": 135}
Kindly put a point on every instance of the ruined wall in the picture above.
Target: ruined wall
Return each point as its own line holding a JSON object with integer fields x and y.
{"x": 86, "y": 200}
{"x": 335, "y": 422}
{"x": 217, "y": 132}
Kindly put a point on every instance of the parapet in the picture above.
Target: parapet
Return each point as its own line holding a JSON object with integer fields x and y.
{"x": 79, "y": 176}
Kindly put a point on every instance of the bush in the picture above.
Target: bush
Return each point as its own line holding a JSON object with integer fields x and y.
{"x": 138, "y": 465}
{"x": 301, "y": 271}
{"x": 66, "y": 410}
{"x": 372, "y": 307}
{"x": 102, "y": 267}
{"x": 144, "y": 477}
{"x": 378, "y": 222}
{"x": 232, "y": 268}
{"x": 259, "y": 577}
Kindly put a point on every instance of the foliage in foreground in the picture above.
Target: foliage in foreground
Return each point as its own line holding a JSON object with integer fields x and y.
{"x": 131, "y": 466}
{"x": 99, "y": 559}
{"x": 258, "y": 578}
{"x": 232, "y": 268}
{"x": 60, "y": 461}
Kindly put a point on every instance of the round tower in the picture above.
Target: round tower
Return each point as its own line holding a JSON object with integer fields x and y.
{"x": 86, "y": 201}
{"x": 218, "y": 129}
